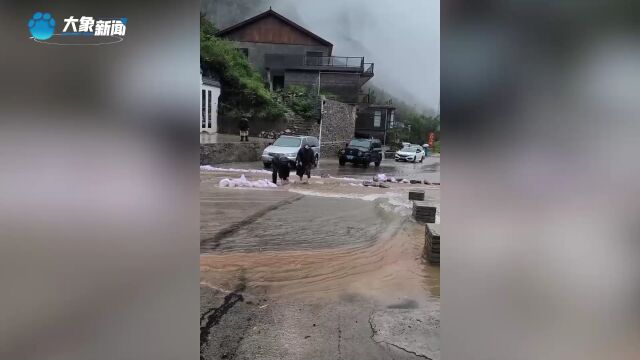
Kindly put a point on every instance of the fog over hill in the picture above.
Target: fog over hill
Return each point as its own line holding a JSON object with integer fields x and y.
{"x": 402, "y": 37}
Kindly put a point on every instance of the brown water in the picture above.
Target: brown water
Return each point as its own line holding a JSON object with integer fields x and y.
{"x": 326, "y": 247}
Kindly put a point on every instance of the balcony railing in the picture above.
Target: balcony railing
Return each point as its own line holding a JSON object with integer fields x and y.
{"x": 338, "y": 63}
{"x": 335, "y": 61}
{"x": 368, "y": 68}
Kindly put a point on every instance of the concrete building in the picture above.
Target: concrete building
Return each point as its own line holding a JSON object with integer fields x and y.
{"x": 285, "y": 53}
{"x": 374, "y": 121}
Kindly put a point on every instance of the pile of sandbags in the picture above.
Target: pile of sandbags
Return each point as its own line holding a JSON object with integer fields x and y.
{"x": 243, "y": 182}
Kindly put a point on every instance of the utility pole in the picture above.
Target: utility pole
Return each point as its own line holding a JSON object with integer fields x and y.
{"x": 386, "y": 124}
{"x": 321, "y": 111}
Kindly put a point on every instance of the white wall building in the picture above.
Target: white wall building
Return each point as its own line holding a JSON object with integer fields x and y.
{"x": 209, "y": 93}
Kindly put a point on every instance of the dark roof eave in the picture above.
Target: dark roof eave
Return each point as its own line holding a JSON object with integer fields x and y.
{"x": 267, "y": 13}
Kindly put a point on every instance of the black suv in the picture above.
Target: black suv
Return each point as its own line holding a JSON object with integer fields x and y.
{"x": 362, "y": 151}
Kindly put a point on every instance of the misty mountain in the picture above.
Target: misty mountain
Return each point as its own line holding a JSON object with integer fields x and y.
{"x": 402, "y": 38}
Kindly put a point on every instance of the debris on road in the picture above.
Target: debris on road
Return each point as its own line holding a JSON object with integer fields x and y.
{"x": 219, "y": 169}
{"x": 375, "y": 184}
{"x": 380, "y": 177}
{"x": 243, "y": 182}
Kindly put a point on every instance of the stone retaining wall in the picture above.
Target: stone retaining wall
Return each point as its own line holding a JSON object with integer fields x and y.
{"x": 338, "y": 126}
{"x": 230, "y": 152}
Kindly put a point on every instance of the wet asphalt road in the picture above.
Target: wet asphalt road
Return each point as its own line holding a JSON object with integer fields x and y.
{"x": 308, "y": 275}
{"x": 429, "y": 169}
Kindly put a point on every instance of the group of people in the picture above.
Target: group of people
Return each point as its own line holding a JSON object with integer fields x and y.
{"x": 280, "y": 165}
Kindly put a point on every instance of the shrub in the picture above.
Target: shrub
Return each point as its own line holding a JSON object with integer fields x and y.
{"x": 244, "y": 93}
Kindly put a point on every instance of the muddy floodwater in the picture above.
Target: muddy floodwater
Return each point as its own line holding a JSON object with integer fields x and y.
{"x": 326, "y": 270}
{"x": 340, "y": 239}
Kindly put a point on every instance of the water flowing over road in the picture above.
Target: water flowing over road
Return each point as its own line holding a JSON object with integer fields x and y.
{"x": 330, "y": 269}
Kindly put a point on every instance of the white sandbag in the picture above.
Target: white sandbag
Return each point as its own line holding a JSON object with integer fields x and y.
{"x": 380, "y": 177}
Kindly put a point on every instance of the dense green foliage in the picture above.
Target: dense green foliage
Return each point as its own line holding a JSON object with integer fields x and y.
{"x": 301, "y": 100}
{"x": 244, "y": 93}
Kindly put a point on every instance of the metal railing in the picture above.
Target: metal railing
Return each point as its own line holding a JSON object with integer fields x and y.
{"x": 350, "y": 63}
{"x": 368, "y": 68}
{"x": 335, "y": 61}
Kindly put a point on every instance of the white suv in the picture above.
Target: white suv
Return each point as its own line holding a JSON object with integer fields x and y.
{"x": 288, "y": 146}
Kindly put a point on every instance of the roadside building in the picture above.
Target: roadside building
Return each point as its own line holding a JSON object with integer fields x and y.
{"x": 375, "y": 121}
{"x": 209, "y": 94}
{"x": 286, "y": 53}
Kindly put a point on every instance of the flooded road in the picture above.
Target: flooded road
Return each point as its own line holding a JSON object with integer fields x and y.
{"x": 326, "y": 270}
{"x": 312, "y": 223}
{"x": 429, "y": 169}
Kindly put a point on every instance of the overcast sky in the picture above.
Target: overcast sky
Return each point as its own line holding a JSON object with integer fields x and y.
{"x": 402, "y": 37}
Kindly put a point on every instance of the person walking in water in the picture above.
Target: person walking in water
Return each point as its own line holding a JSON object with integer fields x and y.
{"x": 280, "y": 168}
{"x": 244, "y": 129}
{"x": 304, "y": 162}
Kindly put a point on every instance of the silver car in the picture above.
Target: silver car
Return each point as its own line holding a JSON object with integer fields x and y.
{"x": 288, "y": 146}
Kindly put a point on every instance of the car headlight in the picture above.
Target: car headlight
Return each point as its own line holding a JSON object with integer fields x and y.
{"x": 291, "y": 155}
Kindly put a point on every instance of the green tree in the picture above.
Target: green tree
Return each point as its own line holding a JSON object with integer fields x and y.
{"x": 419, "y": 127}
{"x": 244, "y": 93}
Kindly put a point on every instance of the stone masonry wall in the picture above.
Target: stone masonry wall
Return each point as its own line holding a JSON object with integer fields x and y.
{"x": 338, "y": 126}
{"x": 220, "y": 153}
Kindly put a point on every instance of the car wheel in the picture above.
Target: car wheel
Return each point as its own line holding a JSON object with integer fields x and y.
{"x": 421, "y": 158}
{"x": 266, "y": 165}
{"x": 315, "y": 164}
{"x": 377, "y": 163}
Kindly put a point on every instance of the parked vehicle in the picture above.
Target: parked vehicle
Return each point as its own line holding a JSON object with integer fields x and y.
{"x": 288, "y": 146}
{"x": 362, "y": 151}
{"x": 413, "y": 153}
{"x": 426, "y": 149}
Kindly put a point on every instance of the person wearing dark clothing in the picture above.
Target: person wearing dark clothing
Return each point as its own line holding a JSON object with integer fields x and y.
{"x": 304, "y": 162}
{"x": 244, "y": 129}
{"x": 280, "y": 168}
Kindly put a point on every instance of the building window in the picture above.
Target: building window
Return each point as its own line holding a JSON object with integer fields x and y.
{"x": 209, "y": 109}
{"x": 244, "y": 51}
{"x": 203, "y": 110}
{"x": 377, "y": 117}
